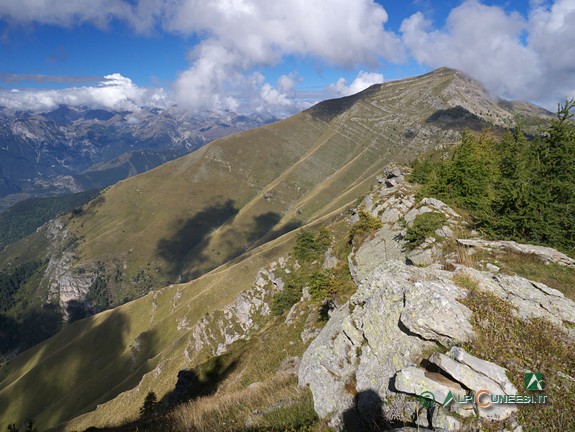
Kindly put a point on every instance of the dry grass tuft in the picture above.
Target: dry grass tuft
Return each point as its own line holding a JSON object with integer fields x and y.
{"x": 278, "y": 404}
{"x": 526, "y": 345}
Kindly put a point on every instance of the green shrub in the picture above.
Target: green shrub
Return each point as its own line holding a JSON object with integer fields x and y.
{"x": 365, "y": 225}
{"x": 423, "y": 226}
{"x": 319, "y": 282}
{"x": 289, "y": 296}
{"x": 309, "y": 247}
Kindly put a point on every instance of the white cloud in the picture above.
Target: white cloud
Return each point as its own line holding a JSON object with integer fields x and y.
{"x": 114, "y": 92}
{"x": 517, "y": 57}
{"x": 244, "y": 34}
{"x": 530, "y": 57}
{"x": 279, "y": 101}
{"x": 236, "y": 36}
{"x": 360, "y": 83}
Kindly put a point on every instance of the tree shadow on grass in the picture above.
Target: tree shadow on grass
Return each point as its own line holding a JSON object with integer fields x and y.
{"x": 203, "y": 381}
{"x": 192, "y": 384}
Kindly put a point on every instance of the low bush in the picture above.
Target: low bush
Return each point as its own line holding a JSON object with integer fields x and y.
{"x": 365, "y": 225}
{"x": 423, "y": 226}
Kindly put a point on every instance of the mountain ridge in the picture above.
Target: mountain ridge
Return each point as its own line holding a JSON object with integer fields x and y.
{"x": 64, "y": 150}
{"x": 216, "y": 217}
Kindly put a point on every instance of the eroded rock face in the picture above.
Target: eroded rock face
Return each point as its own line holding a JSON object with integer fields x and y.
{"x": 216, "y": 332}
{"x": 65, "y": 286}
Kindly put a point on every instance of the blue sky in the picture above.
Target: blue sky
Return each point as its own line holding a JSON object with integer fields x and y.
{"x": 276, "y": 56}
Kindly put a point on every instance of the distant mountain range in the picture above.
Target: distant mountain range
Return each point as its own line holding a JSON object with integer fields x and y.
{"x": 73, "y": 149}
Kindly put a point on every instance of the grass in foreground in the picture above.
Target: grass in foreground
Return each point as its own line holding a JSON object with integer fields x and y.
{"x": 526, "y": 345}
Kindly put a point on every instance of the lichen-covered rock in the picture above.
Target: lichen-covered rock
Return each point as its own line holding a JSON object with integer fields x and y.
{"x": 365, "y": 342}
{"x": 476, "y": 381}
{"x": 329, "y": 260}
{"x": 531, "y": 299}
{"x": 545, "y": 254}
{"x": 377, "y": 341}
{"x": 416, "y": 381}
{"x": 432, "y": 311}
{"x": 489, "y": 369}
{"x": 384, "y": 246}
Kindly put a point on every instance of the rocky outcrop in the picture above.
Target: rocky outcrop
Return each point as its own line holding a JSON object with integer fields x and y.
{"x": 400, "y": 334}
{"x": 545, "y": 254}
{"x": 394, "y": 204}
{"x": 378, "y": 340}
{"x": 66, "y": 286}
{"x": 214, "y": 333}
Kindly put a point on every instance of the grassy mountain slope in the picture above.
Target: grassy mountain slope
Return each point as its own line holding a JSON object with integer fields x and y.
{"x": 231, "y": 200}
{"x": 96, "y": 359}
{"x": 193, "y": 214}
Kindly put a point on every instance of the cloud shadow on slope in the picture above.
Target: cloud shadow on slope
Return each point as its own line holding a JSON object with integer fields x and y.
{"x": 186, "y": 252}
{"x": 181, "y": 250}
{"x": 457, "y": 118}
{"x": 92, "y": 368}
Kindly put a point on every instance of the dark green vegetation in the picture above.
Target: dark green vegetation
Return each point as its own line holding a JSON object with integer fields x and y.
{"x": 325, "y": 285}
{"x": 365, "y": 225}
{"x": 514, "y": 188}
{"x": 23, "y": 321}
{"x": 423, "y": 226}
{"x": 23, "y": 218}
{"x": 27, "y": 427}
{"x": 533, "y": 345}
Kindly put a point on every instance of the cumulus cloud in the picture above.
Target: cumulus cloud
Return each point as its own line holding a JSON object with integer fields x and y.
{"x": 519, "y": 57}
{"x": 251, "y": 33}
{"x": 237, "y": 36}
{"x": 142, "y": 15}
{"x": 360, "y": 83}
{"x": 113, "y": 92}
{"x": 281, "y": 100}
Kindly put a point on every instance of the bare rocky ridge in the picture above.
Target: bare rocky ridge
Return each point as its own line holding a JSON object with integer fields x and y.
{"x": 379, "y": 343}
